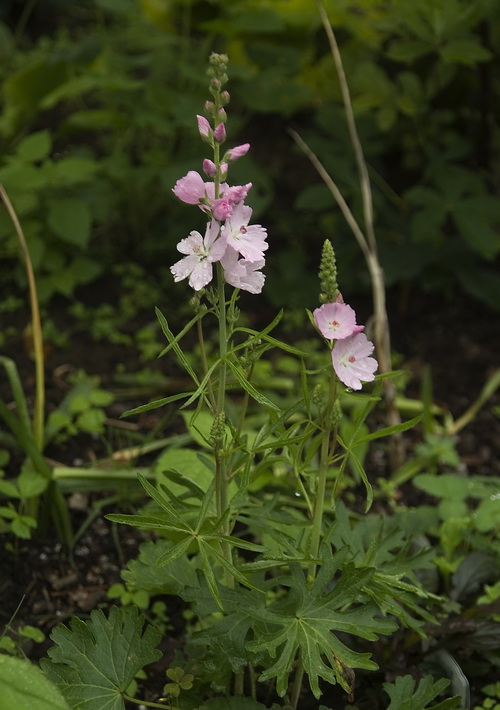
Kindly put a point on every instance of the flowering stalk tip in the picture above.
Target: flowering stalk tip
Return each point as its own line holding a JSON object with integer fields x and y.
{"x": 328, "y": 274}
{"x": 229, "y": 238}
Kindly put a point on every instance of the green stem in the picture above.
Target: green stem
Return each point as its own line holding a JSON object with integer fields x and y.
{"x": 221, "y": 481}
{"x": 327, "y": 450}
{"x": 38, "y": 417}
{"x": 297, "y": 684}
{"x": 204, "y": 362}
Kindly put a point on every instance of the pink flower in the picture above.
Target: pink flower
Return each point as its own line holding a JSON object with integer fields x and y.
{"x": 241, "y": 273}
{"x": 200, "y": 252}
{"x": 249, "y": 241}
{"x": 193, "y": 190}
{"x": 351, "y": 360}
{"x": 190, "y": 188}
{"x": 221, "y": 209}
{"x": 237, "y": 152}
{"x": 237, "y": 193}
{"x": 336, "y": 321}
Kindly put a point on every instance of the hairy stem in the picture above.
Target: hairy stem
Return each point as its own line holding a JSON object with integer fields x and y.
{"x": 327, "y": 449}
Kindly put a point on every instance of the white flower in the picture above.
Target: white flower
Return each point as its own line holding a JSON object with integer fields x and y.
{"x": 201, "y": 253}
{"x": 242, "y": 273}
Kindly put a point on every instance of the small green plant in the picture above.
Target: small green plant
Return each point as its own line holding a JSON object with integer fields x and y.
{"x": 285, "y": 583}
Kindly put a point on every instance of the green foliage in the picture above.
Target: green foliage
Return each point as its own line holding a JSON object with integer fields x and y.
{"x": 306, "y": 617}
{"x": 406, "y": 694}
{"x": 23, "y": 686}
{"x": 82, "y": 175}
{"x": 81, "y": 410}
{"x": 94, "y": 662}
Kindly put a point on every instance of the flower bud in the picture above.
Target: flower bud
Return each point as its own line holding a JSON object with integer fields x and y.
{"x": 222, "y": 115}
{"x": 220, "y": 133}
{"x": 218, "y": 431}
{"x": 210, "y": 108}
{"x": 224, "y": 97}
{"x": 204, "y": 127}
{"x": 221, "y": 209}
{"x": 209, "y": 167}
{"x": 223, "y": 171}
{"x": 237, "y": 152}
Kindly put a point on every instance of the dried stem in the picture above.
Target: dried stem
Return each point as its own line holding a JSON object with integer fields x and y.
{"x": 366, "y": 240}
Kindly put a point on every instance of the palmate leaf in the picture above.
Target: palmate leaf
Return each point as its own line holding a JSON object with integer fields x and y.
{"x": 306, "y": 622}
{"x": 405, "y": 694}
{"x": 94, "y": 662}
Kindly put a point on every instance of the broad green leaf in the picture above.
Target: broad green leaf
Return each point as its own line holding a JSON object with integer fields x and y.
{"x": 71, "y": 220}
{"x": 73, "y": 171}
{"x": 477, "y": 219}
{"x": 407, "y": 50}
{"x": 466, "y": 50}
{"x": 21, "y": 177}
{"x": 94, "y": 662}
{"x": 23, "y": 686}
{"x": 35, "y": 147}
{"x": 188, "y": 463}
{"x": 31, "y": 483}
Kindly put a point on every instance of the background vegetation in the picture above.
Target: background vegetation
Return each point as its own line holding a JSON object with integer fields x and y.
{"x": 97, "y": 106}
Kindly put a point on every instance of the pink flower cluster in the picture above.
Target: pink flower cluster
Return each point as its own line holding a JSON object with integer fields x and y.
{"x": 229, "y": 238}
{"x": 352, "y": 349}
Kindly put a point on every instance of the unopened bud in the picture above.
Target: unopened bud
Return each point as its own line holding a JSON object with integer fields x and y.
{"x": 218, "y": 430}
{"x": 237, "y": 152}
{"x": 209, "y": 167}
{"x": 204, "y": 127}
{"x": 210, "y": 108}
{"x": 220, "y": 133}
{"x": 223, "y": 171}
{"x": 224, "y": 97}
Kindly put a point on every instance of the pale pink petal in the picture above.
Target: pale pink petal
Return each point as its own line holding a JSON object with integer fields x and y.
{"x": 335, "y": 320}
{"x": 249, "y": 241}
{"x": 192, "y": 244}
{"x": 351, "y": 361}
{"x": 201, "y": 275}
{"x": 237, "y": 193}
{"x": 241, "y": 273}
{"x": 183, "y": 268}
{"x": 190, "y": 188}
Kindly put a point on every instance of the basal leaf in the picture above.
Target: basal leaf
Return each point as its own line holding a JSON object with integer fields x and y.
{"x": 94, "y": 662}
{"x": 306, "y": 624}
{"x": 23, "y": 686}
